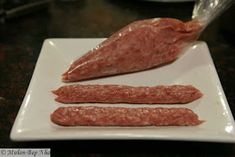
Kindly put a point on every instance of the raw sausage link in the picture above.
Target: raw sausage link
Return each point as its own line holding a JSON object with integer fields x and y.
{"x": 111, "y": 116}
{"x": 127, "y": 94}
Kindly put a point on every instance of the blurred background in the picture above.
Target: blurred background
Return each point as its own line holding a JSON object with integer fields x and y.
{"x": 93, "y": 18}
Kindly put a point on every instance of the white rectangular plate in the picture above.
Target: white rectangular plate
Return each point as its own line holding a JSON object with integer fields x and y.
{"x": 194, "y": 67}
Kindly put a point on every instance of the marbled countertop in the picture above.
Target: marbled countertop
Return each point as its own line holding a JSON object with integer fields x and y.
{"x": 21, "y": 39}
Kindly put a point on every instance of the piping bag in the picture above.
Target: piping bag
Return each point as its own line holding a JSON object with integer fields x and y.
{"x": 144, "y": 44}
{"x": 205, "y": 11}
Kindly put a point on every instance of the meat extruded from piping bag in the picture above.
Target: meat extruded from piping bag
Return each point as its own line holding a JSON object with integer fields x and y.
{"x": 127, "y": 94}
{"x": 138, "y": 46}
{"x": 120, "y": 116}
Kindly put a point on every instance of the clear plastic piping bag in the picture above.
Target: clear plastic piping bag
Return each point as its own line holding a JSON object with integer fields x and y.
{"x": 205, "y": 11}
